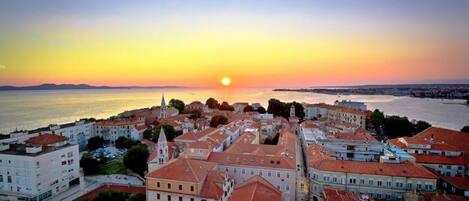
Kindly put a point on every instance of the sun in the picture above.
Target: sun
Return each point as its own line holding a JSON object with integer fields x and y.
{"x": 226, "y": 81}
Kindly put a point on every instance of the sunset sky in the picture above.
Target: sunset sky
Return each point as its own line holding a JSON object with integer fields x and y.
{"x": 255, "y": 43}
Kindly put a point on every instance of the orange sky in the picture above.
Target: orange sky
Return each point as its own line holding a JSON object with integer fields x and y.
{"x": 197, "y": 45}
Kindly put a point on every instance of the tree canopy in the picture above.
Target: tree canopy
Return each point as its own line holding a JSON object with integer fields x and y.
{"x": 212, "y": 103}
{"x": 248, "y": 109}
{"x": 465, "y": 129}
{"x": 95, "y": 143}
{"x": 153, "y": 134}
{"x": 135, "y": 159}
{"x": 89, "y": 165}
{"x": 396, "y": 126}
{"x": 218, "y": 120}
{"x": 261, "y": 110}
{"x": 178, "y": 104}
{"x": 124, "y": 143}
{"x": 226, "y": 106}
{"x": 279, "y": 108}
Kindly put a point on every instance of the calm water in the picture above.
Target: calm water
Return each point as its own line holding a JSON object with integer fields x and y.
{"x": 32, "y": 109}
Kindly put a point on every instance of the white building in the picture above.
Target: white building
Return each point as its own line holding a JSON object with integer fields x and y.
{"x": 111, "y": 129}
{"x": 40, "y": 169}
{"x": 78, "y": 132}
{"x": 388, "y": 181}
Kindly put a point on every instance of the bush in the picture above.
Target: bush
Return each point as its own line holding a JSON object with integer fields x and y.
{"x": 212, "y": 103}
{"x": 226, "y": 106}
{"x": 261, "y": 110}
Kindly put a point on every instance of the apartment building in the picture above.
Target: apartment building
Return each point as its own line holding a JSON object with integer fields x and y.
{"x": 112, "y": 129}
{"x": 388, "y": 181}
{"x": 256, "y": 188}
{"x": 43, "y": 167}
{"x": 336, "y": 113}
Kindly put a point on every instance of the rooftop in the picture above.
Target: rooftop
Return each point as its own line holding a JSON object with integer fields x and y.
{"x": 46, "y": 139}
{"x": 20, "y": 149}
{"x": 256, "y": 188}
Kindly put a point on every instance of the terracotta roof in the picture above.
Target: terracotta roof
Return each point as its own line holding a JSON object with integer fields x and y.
{"x": 341, "y": 195}
{"x": 46, "y": 139}
{"x": 253, "y": 160}
{"x": 447, "y": 197}
{"x": 459, "y": 182}
{"x": 204, "y": 144}
{"x": 318, "y": 159}
{"x": 439, "y": 159}
{"x": 309, "y": 124}
{"x": 213, "y": 184}
{"x": 120, "y": 122}
{"x": 439, "y": 138}
{"x": 141, "y": 127}
{"x": 182, "y": 169}
{"x": 193, "y": 136}
{"x": 218, "y": 137}
{"x": 360, "y": 134}
{"x": 256, "y": 188}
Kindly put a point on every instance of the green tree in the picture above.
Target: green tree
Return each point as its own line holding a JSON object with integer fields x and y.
{"x": 89, "y": 165}
{"x": 95, "y": 143}
{"x": 135, "y": 159}
{"x": 153, "y": 134}
{"x": 396, "y": 126}
{"x": 377, "y": 119}
{"x": 261, "y": 110}
{"x": 465, "y": 129}
{"x": 248, "y": 109}
{"x": 195, "y": 114}
{"x": 276, "y": 107}
{"x": 420, "y": 126}
{"x": 137, "y": 197}
{"x": 178, "y": 104}
{"x": 226, "y": 106}
{"x": 299, "y": 110}
{"x": 212, "y": 103}
{"x": 218, "y": 120}
{"x": 110, "y": 195}
{"x": 123, "y": 142}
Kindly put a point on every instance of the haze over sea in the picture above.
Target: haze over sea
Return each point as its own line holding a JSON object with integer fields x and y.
{"x": 33, "y": 109}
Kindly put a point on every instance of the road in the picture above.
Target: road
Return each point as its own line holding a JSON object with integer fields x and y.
{"x": 302, "y": 182}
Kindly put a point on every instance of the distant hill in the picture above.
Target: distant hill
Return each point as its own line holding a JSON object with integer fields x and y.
{"x": 73, "y": 86}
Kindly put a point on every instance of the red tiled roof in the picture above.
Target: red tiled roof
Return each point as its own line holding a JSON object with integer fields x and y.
{"x": 447, "y": 197}
{"x": 253, "y": 160}
{"x": 439, "y": 159}
{"x": 440, "y": 138}
{"x": 183, "y": 169}
{"x": 193, "y": 136}
{"x": 321, "y": 161}
{"x": 459, "y": 182}
{"x": 360, "y": 135}
{"x": 46, "y": 139}
{"x": 256, "y": 188}
{"x": 340, "y": 195}
{"x": 128, "y": 189}
{"x": 213, "y": 184}
{"x": 120, "y": 122}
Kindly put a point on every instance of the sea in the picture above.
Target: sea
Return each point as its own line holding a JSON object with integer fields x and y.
{"x": 32, "y": 109}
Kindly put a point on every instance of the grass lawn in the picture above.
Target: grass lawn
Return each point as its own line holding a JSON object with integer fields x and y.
{"x": 115, "y": 166}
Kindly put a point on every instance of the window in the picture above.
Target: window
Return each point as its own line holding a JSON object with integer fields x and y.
{"x": 180, "y": 187}
{"x": 243, "y": 171}
{"x": 409, "y": 185}
{"x": 169, "y": 198}
{"x": 169, "y": 186}
{"x": 158, "y": 196}
{"x": 192, "y": 199}
{"x": 334, "y": 179}
{"x": 158, "y": 184}
{"x": 278, "y": 174}
{"x": 287, "y": 188}
{"x": 388, "y": 184}
{"x": 352, "y": 181}
{"x": 380, "y": 183}
{"x": 180, "y": 198}
{"x": 252, "y": 172}
{"x": 270, "y": 173}
{"x": 192, "y": 188}
{"x": 288, "y": 175}
{"x": 362, "y": 181}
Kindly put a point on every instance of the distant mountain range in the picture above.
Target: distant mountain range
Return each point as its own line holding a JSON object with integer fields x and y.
{"x": 75, "y": 86}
